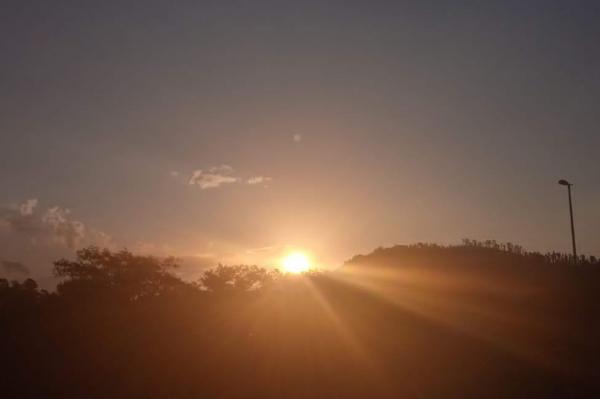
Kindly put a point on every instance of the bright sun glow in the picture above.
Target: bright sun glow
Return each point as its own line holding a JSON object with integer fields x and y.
{"x": 296, "y": 263}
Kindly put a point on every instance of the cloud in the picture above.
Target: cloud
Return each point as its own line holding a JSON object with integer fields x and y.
{"x": 268, "y": 248}
{"x": 19, "y": 219}
{"x": 206, "y": 180}
{"x": 70, "y": 232}
{"x": 297, "y": 138}
{"x": 27, "y": 207}
{"x": 258, "y": 180}
{"x": 220, "y": 175}
{"x": 14, "y": 268}
{"x": 53, "y": 227}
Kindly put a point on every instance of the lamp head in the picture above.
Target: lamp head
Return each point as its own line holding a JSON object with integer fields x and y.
{"x": 563, "y": 182}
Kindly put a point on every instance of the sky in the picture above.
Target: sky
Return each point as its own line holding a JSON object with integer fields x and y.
{"x": 238, "y": 131}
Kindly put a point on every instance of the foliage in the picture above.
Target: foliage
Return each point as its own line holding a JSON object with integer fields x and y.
{"x": 122, "y": 273}
{"x": 236, "y": 278}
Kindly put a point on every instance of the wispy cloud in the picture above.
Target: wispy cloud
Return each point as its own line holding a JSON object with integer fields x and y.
{"x": 258, "y": 180}
{"x": 268, "y": 248}
{"x": 218, "y": 176}
{"x": 213, "y": 178}
{"x": 297, "y": 138}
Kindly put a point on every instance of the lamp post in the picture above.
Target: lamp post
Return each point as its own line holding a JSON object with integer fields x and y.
{"x": 563, "y": 182}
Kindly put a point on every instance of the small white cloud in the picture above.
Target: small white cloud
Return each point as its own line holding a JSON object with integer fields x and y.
{"x": 212, "y": 179}
{"x": 258, "y": 180}
{"x": 297, "y": 138}
{"x": 174, "y": 173}
{"x": 217, "y": 176}
{"x": 27, "y": 207}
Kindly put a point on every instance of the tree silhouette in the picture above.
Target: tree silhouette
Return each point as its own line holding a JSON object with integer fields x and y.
{"x": 122, "y": 273}
{"x": 238, "y": 278}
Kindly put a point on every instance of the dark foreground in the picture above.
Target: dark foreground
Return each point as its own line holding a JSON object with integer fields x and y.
{"x": 474, "y": 321}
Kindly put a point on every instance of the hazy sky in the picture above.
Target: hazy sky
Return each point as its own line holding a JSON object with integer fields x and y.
{"x": 234, "y": 131}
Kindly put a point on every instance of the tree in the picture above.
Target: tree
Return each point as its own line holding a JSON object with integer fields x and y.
{"x": 123, "y": 274}
{"x": 239, "y": 278}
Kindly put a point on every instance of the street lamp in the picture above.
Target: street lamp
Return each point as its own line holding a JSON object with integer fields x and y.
{"x": 563, "y": 182}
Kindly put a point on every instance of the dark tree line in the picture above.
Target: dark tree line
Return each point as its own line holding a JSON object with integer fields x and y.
{"x": 481, "y": 319}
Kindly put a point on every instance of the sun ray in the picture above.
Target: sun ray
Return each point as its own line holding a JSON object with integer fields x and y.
{"x": 432, "y": 296}
{"x": 347, "y": 336}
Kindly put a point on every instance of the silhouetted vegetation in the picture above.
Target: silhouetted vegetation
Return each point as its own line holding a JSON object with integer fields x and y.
{"x": 481, "y": 319}
{"x": 241, "y": 278}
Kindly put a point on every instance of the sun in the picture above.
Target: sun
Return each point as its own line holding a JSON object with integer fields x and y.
{"x": 296, "y": 263}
